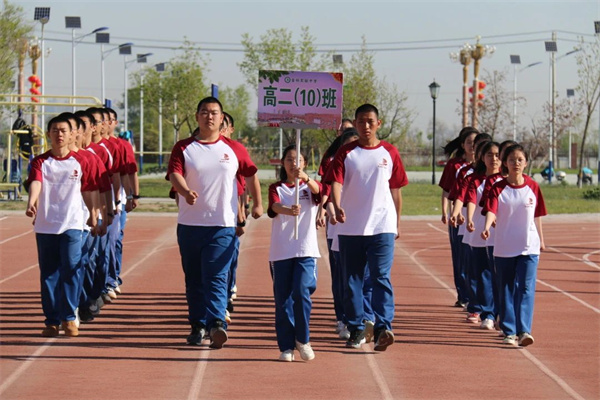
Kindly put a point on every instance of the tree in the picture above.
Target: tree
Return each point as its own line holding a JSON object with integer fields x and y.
{"x": 13, "y": 28}
{"x": 236, "y": 101}
{"x": 181, "y": 87}
{"x": 588, "y": 61}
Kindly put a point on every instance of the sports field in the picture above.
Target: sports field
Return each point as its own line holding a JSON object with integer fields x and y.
{"x": 135, "y": 349}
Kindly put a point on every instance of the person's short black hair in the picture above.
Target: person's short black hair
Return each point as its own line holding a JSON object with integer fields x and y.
{"x": 229, "y": 119}
{"x": 208, "y": 100}
{"x": 113, "y": 112}
{"x": 366, "y": 108}
{"x": 71, "y": 116}
{"x": 58, "y": 119}
{"x": 85, "y": 114}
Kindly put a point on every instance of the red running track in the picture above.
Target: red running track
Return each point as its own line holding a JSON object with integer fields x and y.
{"x": 135, "y": 349}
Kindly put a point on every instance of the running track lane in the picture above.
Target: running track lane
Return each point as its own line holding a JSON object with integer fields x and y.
{"x": 136, "y": 344}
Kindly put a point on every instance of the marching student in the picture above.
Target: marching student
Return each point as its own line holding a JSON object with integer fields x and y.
{"x": 371, "y": 173}
{"x": 203, "y": 170}
{"x": 482, "y": 263}
{"x": 516, "y": 205}
{"x": 58, "y": 180}
{"x": 461, "y": 152}
{"x": 326, "y": 218}
{"x": 293, "y": 261}
{"x": 457, "y": 219}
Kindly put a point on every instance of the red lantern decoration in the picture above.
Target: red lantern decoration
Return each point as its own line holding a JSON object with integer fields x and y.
{"x": 481, "y": 85}
{"x": 32, "y": 78}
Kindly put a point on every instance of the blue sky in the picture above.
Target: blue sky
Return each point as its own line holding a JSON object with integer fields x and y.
{"x": 335, "y": 25}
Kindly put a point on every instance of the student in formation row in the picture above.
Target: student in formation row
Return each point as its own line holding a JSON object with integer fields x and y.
{"x": 293, "y": 253}
{"x": 60, "y": 182}
{"x": 337, "y": 270}
{"x": 516, "y": 205}
{"x": 366, "y": 179}
{"x": 457, "y": 219}
{"x": 203, "y": 170}
{"x": 460, "y": 152}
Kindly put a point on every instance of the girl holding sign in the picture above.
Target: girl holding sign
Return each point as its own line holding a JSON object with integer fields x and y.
{"x": 293, "y": 261}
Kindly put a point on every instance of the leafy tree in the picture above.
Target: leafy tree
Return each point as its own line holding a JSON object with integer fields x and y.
{"x": 13, "y": 28}
{"x": 181, "y": 86}
{"x": 588, "y": 61}
{"x": 236, "y": 101}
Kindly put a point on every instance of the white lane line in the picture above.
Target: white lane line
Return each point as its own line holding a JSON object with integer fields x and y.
{"x": 18, "y": 273}
{"x": 3, "y": 218}
{"x": 23, "y": 367}
{"x": 586, "y": 257}
{"x": 196, "y": 387}
{"x": 384, "y": 389}
{"x": 559, "y": 381}
{"x": 586, "y": 262}
{"x": 437, "y": 228}
{"x": 162, "y": 240}
{"x": 569, "y": 295}
{"x": 15, "y": 237}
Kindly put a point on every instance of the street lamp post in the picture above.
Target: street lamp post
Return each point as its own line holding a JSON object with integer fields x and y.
{"x": 597, "y": 30}
{"x": 464, "y": 57}
{"x": 552, "y": 49}
{"x": 104, "y": 55}
{"x": 570, "y": 94}
{"x": 478, "y": 52}
{"x": 75, "y": 23}
{"x": 140, "y": 58}
{"x": 160, "y": 68}
{"x": 516, "y": 60}
{"x": 42, "y": 14}
{"x": 434, "y": 89}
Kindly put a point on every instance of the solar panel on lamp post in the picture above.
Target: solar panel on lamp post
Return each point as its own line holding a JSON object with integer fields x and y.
{"x": 42, "y": 14}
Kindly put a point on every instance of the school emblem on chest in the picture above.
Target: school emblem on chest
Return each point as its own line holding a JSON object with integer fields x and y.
{"x": 383, "y": 163}
{"x": 74, "y": 176}
{"x": 225, "y": 158}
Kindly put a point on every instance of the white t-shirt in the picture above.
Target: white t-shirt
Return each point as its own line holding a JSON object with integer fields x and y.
{"x": 210, "y": 169}
{"x": 367, "y": 175}
{"x": 515, "y": 208}
{"x": 63, "y": 179}
{"x": 283, "y": 244}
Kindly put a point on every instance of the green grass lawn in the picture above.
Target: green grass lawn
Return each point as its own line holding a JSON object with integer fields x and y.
{"x": 419, "y": 198}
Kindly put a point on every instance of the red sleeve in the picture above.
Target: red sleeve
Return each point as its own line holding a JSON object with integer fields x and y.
{"x": 129, "y": 157}
{"x": 247, "y": 167}
{"x": 471, "y": 191}
{"x": 104, "y": 185}
{"x": 120, "y": 146}
{"x": 89, "y": 181}
{"x": 273, "y": 198}
{"x": 324, "y": 166}
{"x": 337, "y": 169}
{"x": 35, "y": 172}
{"x": 540, "y": 208}
{"x": 452, "y": 195}
{"x": 177, "y": 160}
{"x": 491, "y": 202}
{"x": 449, "y": 174}
{"x": 399, "y": 178}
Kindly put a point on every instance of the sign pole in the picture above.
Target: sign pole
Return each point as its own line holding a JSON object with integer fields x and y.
{"x": 297, "y": 183}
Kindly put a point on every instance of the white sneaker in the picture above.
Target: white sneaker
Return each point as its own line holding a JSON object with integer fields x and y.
{"x": 525, "y": 339}
{"x": 487, "y": 324}
{"x": 287, "y": 356}
{"x": 306, "y": 351}
{"x": 344, "y": 333}
{"x": 118, "y": 289}
{"x": 77, "y": 320}
{"x": 227, "y": 317}
{"x": 339, "y": 326}
{"x": 112, "y": 294}
{"x": 510, "y": 339}
{"x": 234, "y": 292}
